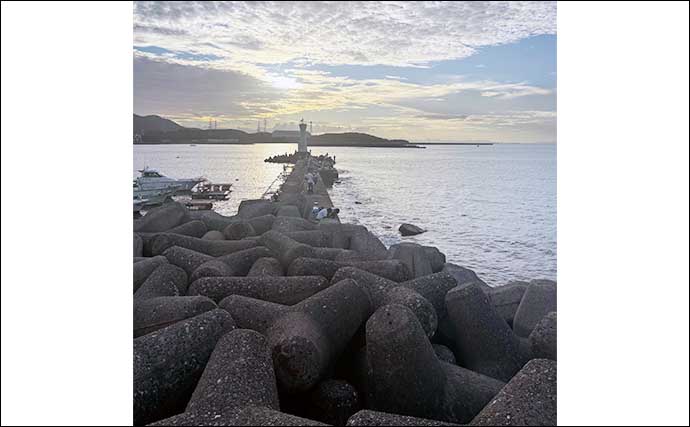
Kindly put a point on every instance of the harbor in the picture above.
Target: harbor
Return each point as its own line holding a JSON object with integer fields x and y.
{"x": 272, "y": 316}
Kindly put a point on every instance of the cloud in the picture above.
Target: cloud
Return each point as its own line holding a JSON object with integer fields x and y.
{"x": 334, "y": 33}
{"x": 239, "y": 62}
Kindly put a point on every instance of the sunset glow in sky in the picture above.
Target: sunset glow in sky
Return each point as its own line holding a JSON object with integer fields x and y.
{"x": 423, "y": 71}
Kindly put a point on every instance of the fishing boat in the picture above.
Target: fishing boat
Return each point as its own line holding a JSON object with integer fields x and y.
{"x": 149, "y": 197}
{"x": 151, "y": 179}
{"x": 208, "y": 190}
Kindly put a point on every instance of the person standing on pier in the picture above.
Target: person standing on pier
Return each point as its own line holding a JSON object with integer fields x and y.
{"x": 310, "y": 182}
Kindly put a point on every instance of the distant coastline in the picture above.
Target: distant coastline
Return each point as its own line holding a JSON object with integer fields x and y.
{"x": 155, "y": 130}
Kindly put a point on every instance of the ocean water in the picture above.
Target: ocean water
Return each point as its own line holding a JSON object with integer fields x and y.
{"x": 488, "y": 208}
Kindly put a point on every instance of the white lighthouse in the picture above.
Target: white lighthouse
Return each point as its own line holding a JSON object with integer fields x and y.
{"x": 302, "y": 146}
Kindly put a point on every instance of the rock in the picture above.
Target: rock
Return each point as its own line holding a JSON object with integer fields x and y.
{"x": 138, "y": 246}
{"x": 483, "y": 341}
{"x": 463, "y": 275}
{"x": 436, "y": 258}
{"x": 529, "y": 399}
{"x": 166, "y": 280}
{"x": 254, "y": 208}
{"x": 542, "y": 340}
{"x": 406, "y": 377}
{"x": 281, "y": 290}
{"x": 239, "y": 230}
{"x": 506, "y": 300}
{"x": 288, "y": 210}
{"x": 384, "y": 291}
{"x": 144, "y": 268}
{"x": 162, "y": 218}
{"x": 239, "y": 373}
{"x": 333, "y": 402}
{"x": 246, "y": 416}
{"x": 367, "y": 417}
{"x": 284, "y": 248}
{"x": 444, "y": 354}
{"x": 307, "y": 338}
{"x": 410, "y": 230}
{"x": 412, "y": 255}
{"x": 186, "y": 259}
{"x": 213, "y": 235}
{"x": 214, "y": 248}
{"x": 169, "y": 362}
{"x": 266, "y": 267}
{"x": 538, "y": 301}
{"x": 157, "y": 313}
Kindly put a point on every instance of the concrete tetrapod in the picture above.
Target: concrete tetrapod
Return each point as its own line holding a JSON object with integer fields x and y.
{"x": 157, "y": 313}
{"x": 281, "y": 290}
{"x": 162, "y": 218}
{"x": 266, "y": 267}
{"x": 239, "y": 373}
{"x": 307, "y": 338}
{"x": 213, "y": 235}
{"x": 414, "y": 256}
{"x": 333, "y": 402}
{"x": 284, "y": 248}
{"x": 186, "y": 259}
{"x": 538, "y": 301}
{"x": 384, "y": 291}
{"x": 166, "y": 280}
{"x": 169, "y": 362}
{"x": 506, "y": 299}
{"x": 239, "y": 230}
{"x": 367, "y": 417}
{"x": 529, "y": 399}
{"x": 390, "y": 269}
{"x": 214, "y": 248}
{"x": 246, "y": 416}
{"x": 142, "y": 269}
{"x": 234, "y": 264}
{"x": 405, "y": 376}
{"x": 542, "y": 340}
{"x": 484, "y": 342}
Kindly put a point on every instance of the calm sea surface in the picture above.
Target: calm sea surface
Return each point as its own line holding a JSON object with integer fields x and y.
{"x": 488, "y": 208}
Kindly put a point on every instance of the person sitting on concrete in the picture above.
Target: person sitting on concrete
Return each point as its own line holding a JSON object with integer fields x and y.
{"x": 334, "y": 213}
{"x": 314, "y": 210}
{"x": 323, "y": 213}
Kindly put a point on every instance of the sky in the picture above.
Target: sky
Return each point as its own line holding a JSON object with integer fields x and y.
{"x": 421, "y": 71}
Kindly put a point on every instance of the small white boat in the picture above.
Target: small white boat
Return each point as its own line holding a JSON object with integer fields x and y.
{"x": 143, "y": 197}
{"x": 151, "y": 179}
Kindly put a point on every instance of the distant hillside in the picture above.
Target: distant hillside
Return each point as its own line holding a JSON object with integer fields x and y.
{"x": 145, "y": 124}
{"x": 157, "y": 130}
{"x": 354, "y": 139}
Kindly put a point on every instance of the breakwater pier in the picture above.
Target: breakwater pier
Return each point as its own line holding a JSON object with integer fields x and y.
{"x": 271, "y": 317}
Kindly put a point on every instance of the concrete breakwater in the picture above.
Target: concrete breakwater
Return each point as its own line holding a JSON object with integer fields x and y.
{"x": 268, "y": 317}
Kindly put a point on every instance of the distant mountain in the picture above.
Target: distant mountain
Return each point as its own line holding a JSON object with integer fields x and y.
{"x": 145, "y": 124}
{"x": 355, "y": 139}
{"x": 157, "y": 130}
